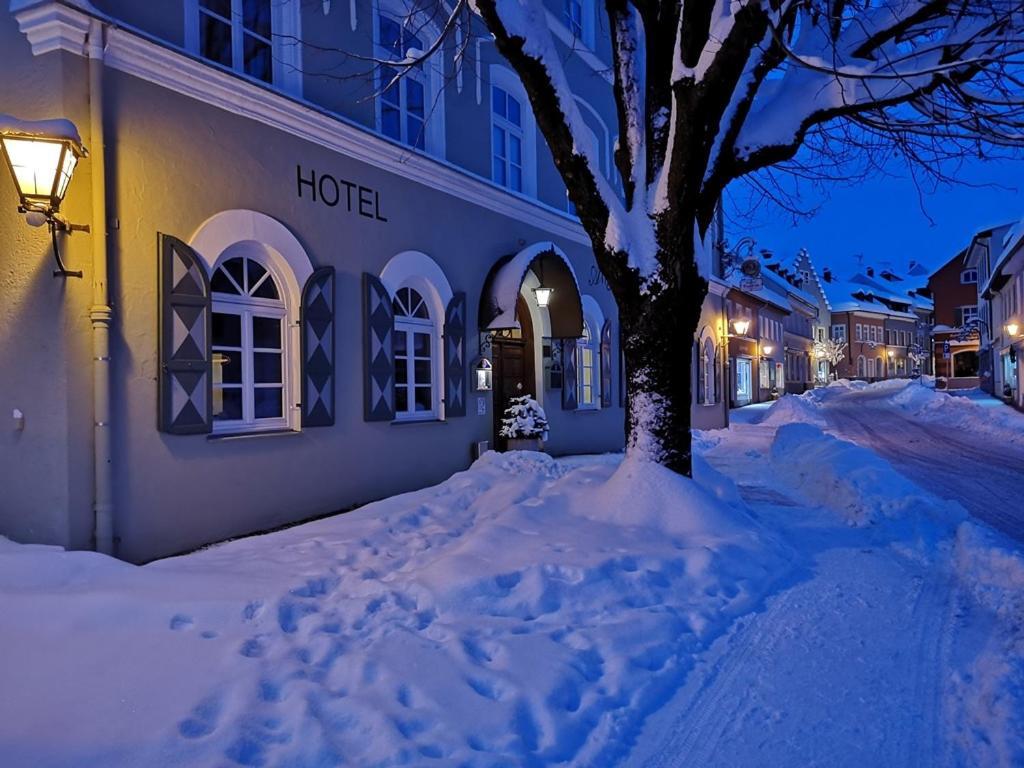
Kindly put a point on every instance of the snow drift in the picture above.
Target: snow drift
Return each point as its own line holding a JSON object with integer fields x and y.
{"x": 524, "y": 612}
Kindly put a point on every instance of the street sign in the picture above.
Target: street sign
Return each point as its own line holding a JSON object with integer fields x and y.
{"x": 751, "y": 284}
{"x": 945, "y": 348}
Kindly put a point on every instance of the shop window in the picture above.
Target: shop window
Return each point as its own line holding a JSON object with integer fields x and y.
{"x": 965, "y": 363}
{"x": 402, "y": 100}
{"x": 415, "y": 346}
{"x": 257, "y": 38}
{"x": 588, "y": 375}
{"x": 250, "y": 350}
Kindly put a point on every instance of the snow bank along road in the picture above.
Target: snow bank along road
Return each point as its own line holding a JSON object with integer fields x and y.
{"x": 533, "y": 612}
{"x": 981, "y": 470}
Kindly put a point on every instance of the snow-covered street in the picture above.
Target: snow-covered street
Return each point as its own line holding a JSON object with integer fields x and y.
{"x": 582, "y": 611}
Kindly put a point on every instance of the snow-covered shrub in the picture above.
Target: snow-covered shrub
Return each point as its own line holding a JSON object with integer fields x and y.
{"x": 524, "y": 419}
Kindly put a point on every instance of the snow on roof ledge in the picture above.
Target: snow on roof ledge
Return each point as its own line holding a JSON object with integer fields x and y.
{"x": 58, "y": 128}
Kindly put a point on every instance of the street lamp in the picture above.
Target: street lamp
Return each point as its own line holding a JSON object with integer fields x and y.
{"x": 42, "y": 157}
{"x": 484, "y": 375}
{"x": 741, "y": 326}
{"x": 767, "y": 349}
{"x": 1012, "y": 329}
{"x": 543, "y": 295}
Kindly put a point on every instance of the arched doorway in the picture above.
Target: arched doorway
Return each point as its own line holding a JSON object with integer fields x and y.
{"x": 521, "y": 331}
{"x": 514, "y": 371}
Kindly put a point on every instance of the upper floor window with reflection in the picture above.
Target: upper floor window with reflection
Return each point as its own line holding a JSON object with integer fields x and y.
{"x": 506, "y": 139}
{"x": 403, "y": 92}
{"x": 258, "y": 38}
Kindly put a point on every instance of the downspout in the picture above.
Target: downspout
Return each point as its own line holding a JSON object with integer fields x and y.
{"x": 100, "y": 312}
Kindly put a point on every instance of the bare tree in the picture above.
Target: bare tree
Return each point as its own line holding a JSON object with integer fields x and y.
{"x": 832, "y": 351}
{"x": 710, "y": 91}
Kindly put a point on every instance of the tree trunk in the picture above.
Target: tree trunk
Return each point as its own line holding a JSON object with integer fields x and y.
{"x": 658, "y": 330}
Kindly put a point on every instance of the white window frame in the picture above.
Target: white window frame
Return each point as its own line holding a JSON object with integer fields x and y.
{"x": 508, "y": 81}
{"x": 247, "y": 307}
{"x": 969, "y": 276}
{"x": 972, "y": 308}
{"x": 588, "y": 359}
{"x": 429, "y": 327}
{"x": 860, "y": 332}
{"x": 285, "y": 45}
{"x": 417, "y": 270}
{"x": 839, "y": 332}
{"x": 585, "y": 33}
{"x": 429, "y": 75}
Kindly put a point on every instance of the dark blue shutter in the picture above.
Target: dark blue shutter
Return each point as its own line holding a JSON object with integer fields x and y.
{"x": 606, "y": 364}
{"x": 379, "y": 362}
{"x": 455, "y": 356}
{"x": 185, "y": 385}
{"x": 318, "y": 402}
{"x": 570, "y": 398}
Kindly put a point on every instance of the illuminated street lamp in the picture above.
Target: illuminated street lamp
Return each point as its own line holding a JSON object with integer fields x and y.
{"x": 741, "y": 327}
{"x": 767, "y": 349}
{"x": 1012, "y": 329}
{"x": 41, "y": 157}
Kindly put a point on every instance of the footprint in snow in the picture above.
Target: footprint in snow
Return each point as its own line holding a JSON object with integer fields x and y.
{"x": 181, "y": 622}
{"x": 203, "y": 720}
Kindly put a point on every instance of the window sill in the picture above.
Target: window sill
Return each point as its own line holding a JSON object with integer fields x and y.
{"x": 406, "y": 422}
{"x": 588, "y": 409}
{"x": 218, "y": 436}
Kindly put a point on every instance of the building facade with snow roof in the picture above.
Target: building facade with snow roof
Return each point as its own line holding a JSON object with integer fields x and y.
{"x": 999, "y": 260}
{"x": 807, "y": 322}
{"x": 956, "y": 339}
{"x": 756, "y": 319}
{"x": 883, "y": 318}
{"x": 307, "y": 266}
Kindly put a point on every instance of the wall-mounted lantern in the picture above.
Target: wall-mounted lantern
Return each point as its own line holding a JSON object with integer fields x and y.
{"x": 741, "y": 327}
{"x": 1012, "y": 329}
{"x": 543, "y": 295}
{"x": 41, "y": 157}
{"x": 766, "y": 349}
{"x": 484, "y": 379}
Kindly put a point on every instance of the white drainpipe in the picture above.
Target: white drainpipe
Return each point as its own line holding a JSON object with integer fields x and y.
{"x": 100, "y": 312}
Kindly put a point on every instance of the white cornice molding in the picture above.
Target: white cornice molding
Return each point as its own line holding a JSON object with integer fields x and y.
{"x": 61, "y": 28}
{"x": 52, "y": 27}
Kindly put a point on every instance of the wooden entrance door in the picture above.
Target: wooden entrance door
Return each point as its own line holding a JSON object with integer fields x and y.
{"x": 513, "y": 368}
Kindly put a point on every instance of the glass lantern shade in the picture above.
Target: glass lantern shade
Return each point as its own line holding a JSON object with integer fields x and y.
{"x": 484, "y": 382}
{"x": 741, "y": 327}
{"x": 543, "y": 296}
{"x": 41, "y": 167}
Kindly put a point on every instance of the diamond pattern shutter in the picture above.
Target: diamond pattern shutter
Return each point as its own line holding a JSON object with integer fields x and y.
{"x": 379, "y": 363}
{"x": 185, "y": 386}
{"x": 606, "y": 364}
{"x": 570, "y": 397}
{"x": 455, "y": 356}
{"x": 318, "y": 404}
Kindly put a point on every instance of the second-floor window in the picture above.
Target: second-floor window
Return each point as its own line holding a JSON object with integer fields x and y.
{"x": 967, "y": 315}
{"x": 237, "y": 34}
{"x": 572, "y": 15}
{"x": 969, "y": 276}
{"x": 506, "y": 139}
{"x": 402, "y": 100}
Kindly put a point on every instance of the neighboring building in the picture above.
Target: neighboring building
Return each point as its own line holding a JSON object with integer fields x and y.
{"x": 757, "y": 371}
{"x": 1002, "y": 288}
{"x": 956, "y": 342}
{"x": 882, "y": 317}
{"x": 806, "y": 322}
{"x": 986, "y": 246}
{"x": 305, "y": 267}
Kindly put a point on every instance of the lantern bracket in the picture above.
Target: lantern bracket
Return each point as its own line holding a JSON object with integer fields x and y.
{"x": 56, "y": 224}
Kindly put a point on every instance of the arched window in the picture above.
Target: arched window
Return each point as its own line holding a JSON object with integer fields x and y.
{"x": 578, "y": 17}
{"x": 707, "y": 372}
{"x": 415, "y": 343}
{"x": 250, "y": 346}
{"x": 409, "y": 107}
{"x": 861, "y": 372}
{"x": 588, "y": 381}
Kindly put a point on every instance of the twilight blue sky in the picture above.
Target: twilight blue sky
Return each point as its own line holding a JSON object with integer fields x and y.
{"x": 882, "y": 218}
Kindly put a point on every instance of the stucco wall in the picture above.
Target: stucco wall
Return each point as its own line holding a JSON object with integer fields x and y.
{"x": 45, "y": 468}
{"x": 170, "y": 175}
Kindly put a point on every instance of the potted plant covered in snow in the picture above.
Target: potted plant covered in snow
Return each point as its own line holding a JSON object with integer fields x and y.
{"x": 525, "y": 425}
